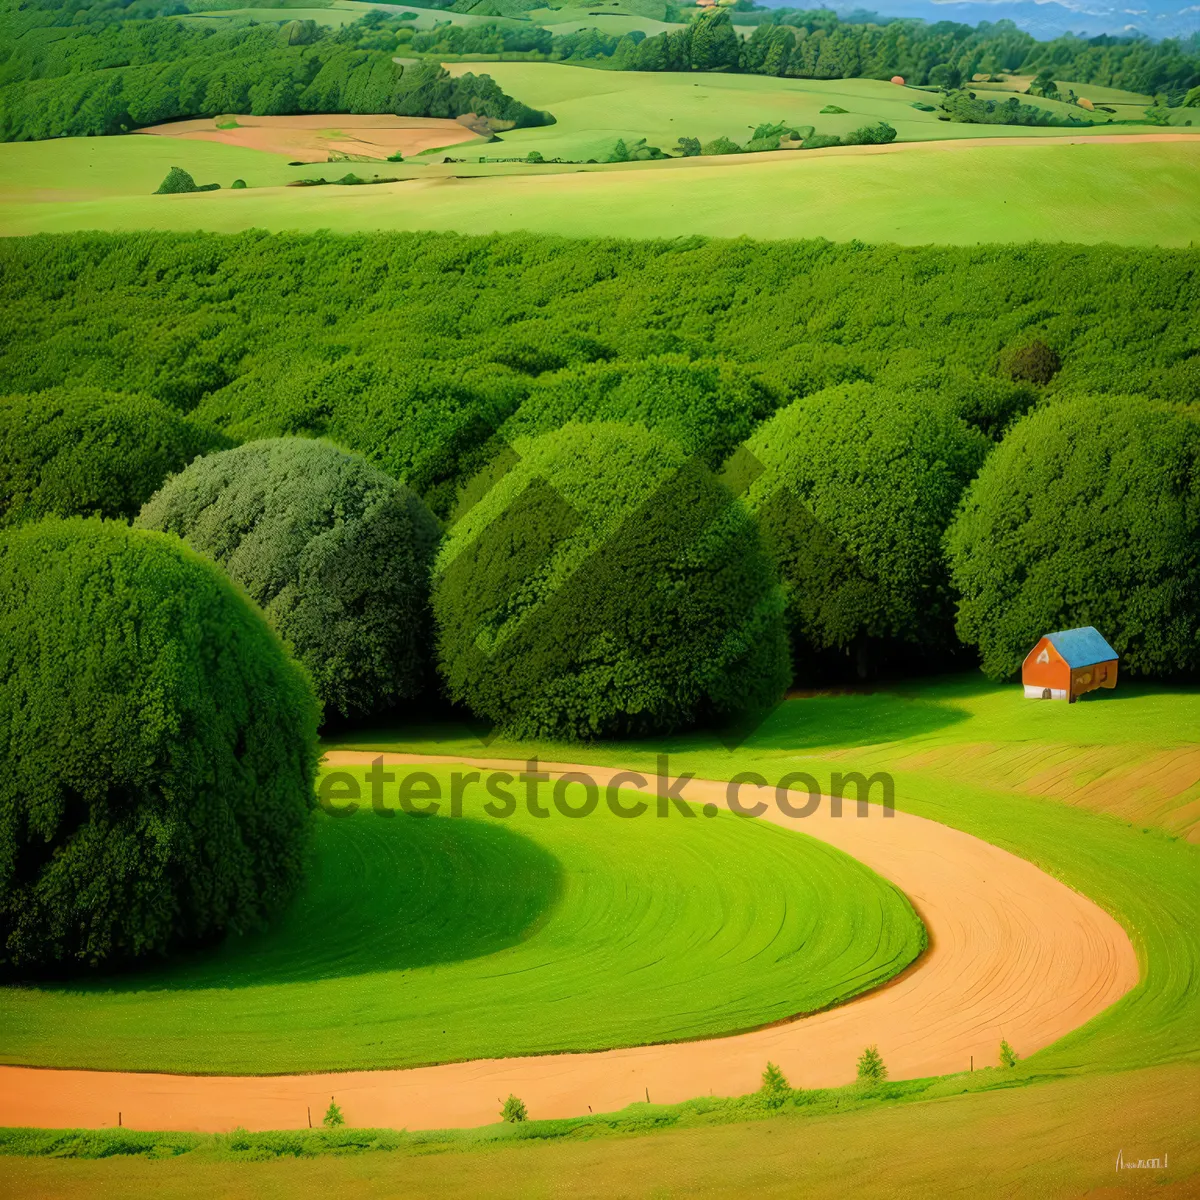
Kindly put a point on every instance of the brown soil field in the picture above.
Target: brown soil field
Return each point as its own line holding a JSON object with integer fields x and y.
{"x": 1013, "y": 953}
{"x": 311, "y": 138}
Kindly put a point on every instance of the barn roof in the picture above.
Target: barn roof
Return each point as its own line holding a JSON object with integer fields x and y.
{"x": 1082, "y": 647}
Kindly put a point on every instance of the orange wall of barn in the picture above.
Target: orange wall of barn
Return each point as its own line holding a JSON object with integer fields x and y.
{"x": 1054, "y": 674}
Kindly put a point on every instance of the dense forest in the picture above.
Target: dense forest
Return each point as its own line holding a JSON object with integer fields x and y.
{"x": 886, "y": 458}
{"x": 417, "y": 348}
{"x": 106, "y": 76}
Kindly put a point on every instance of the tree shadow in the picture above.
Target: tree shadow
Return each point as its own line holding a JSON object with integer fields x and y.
{"x": 381, "y": 894}
{"x": 852, "y": 717}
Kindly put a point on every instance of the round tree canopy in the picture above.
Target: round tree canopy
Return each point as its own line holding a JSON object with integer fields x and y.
{"x": 857, "y": 486}
{"x": 336, "y": 552}
{"x": 607, "y": 584}
{"x": 160, "y": 748}
{"x": 85, "y": 452}
{"x": 1088, "y": 513}
{"x": 708, "y": 407}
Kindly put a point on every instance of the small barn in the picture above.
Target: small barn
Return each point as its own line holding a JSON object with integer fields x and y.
{"x": 1062, "y": 666}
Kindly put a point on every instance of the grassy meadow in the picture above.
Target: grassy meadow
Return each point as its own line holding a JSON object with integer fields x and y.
{"x": 593, "y": 108}
{"x": 432, "y": 940}
{"x": 604, "y": 918}
{"x": 939, "y": 193}
{"x": 339, "y": 13}
{"x": 1104, "y": 795}
{"x": 76, "y": 170}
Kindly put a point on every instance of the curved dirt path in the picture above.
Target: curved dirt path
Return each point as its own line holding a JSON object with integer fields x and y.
{"x": 1013, "y": 953}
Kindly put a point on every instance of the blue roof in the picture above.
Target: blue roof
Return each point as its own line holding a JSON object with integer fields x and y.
{"x": 1082, "y": 647}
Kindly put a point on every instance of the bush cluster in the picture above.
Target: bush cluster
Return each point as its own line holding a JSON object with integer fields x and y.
{"x": 335, "y": 552}
{"x": 608, "y": 584}
{"x": 218, "y": 327}
{"x": 86, "y": 452}
{"x": 160, "y": 749}
{"x": 1088, "y": 513}
{"x": 869, "y": 382}
{"x": 707, "y": 406}
{"x": 855, "y": 491}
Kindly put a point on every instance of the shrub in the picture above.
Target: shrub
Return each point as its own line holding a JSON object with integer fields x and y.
{"x": 721, "y": 145}
{"x": 514, "y": 1109}
{"x": 333, "y": 1115}
{"x": 857, "y": 488}
{"x": 1008, "y": 1056}
{"x": 871, "y": 1068}
{"x": 634, "y": 152}
{"x": 879, "y": 134}
{"x": 832, "y": 108}
{"x": 85, "y": 452}
{"x": 819, "y": 141}
{"x": 238, "y": 184}
{"x": 688, "y": 147}
{"x": 628, "y": 594}
{"x": 775, "y": 1091}
{"x": 1088, "y": 513}
{"x": 336, "y": 552}
{"x": 705, "y": 405}
{"x": 177, "y": 180}
{"x": 1034, "y": 362}
{"x": 160, "y": 749}
{"x": 534, "y": 156}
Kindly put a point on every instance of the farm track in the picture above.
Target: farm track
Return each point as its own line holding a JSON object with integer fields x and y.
{"x": 1013, "y": 953}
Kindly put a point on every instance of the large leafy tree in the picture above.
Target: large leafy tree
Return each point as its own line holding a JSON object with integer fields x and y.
{"x": 854, "y": 487}
{"x": 706, "y": 405}
{"x": 1088, "y": 513}
{"x": 159, "y": 748}
{"x": 336, "y": 552}
{"x": 86, "y": 452}
{"x": 607, "y": 584}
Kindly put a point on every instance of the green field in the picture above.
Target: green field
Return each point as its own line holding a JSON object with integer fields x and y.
{"x": 343, "y": 12}
{"x": 1104, "y": 795}
{"x": 593, "y": 108}
{"x": 84, "y": 169}
{"x": 1132, "y": 194}
{"x": 434, "y": 940}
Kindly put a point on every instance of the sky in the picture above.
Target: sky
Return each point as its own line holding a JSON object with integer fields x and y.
{"x": 1049, "y": 18}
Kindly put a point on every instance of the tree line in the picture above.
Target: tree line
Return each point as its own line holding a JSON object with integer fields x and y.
{"x": 820, "y": 45}
{"x": 107, "y": 77}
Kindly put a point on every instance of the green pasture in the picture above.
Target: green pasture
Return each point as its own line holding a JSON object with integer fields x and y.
{"x": 85, "y": 169}
{"x": 436, "y": 939}
{"x": 1018, "y": 85}
{"x": 343, "y": 12}
{"x": 1013, "y": 772}
{"x": 593, "y": 108}
{"x": 1141, "y": 194}
{"x": 611, "y": 16}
